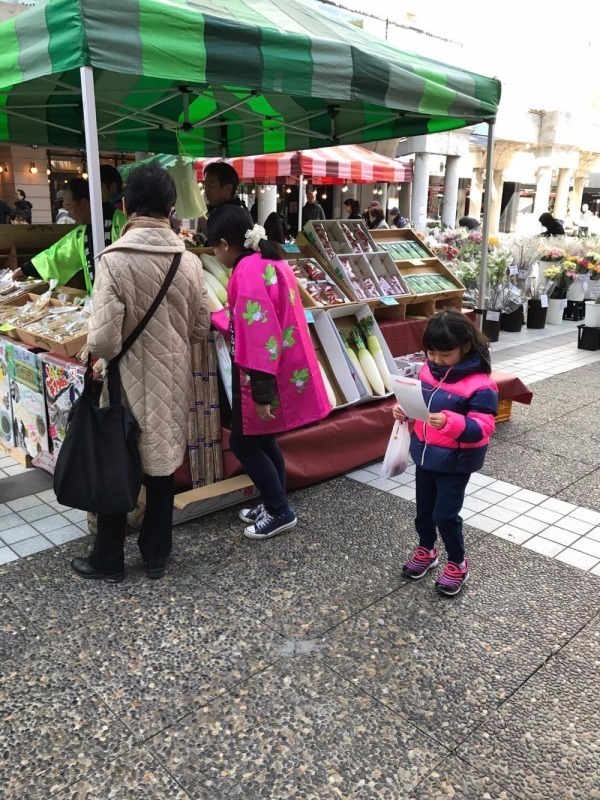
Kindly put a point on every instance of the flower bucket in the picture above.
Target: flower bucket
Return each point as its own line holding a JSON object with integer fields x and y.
{"x": 556, "y": 310}
{"x": 491, "y": 327}
{"x": 592, "y": 314}
{"x": 513, "y": 322}
{"x": 536, "y": 315}
{"x": 577, "y": 291}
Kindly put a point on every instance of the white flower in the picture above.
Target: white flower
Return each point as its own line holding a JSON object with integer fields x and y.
{"x": 254, "y": 236}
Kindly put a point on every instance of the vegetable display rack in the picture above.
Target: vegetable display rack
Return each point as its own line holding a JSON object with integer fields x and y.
{"x": 432, "y": 284}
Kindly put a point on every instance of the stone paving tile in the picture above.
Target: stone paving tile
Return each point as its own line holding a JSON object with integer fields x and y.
{"x": 133, "y": 776}
{"x": 300, "y": 731}
{"x": 454, "y": 779}
{"x": 17, "y": 634}
{"x": 54, "y": 729}
{"x": 532, "y": 469}
{"x": 543, "y": 743}
{"x": 157, "y": 662}
{"x": 571, "y": 442}
{"x": 444, "y": 673}
{"x": 585, "y": 492}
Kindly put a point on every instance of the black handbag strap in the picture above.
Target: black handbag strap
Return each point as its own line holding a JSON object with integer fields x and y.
{"x": 114, "y": 382}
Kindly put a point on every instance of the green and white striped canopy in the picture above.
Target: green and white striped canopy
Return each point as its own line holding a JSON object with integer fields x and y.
{"x": 221, "y": 78}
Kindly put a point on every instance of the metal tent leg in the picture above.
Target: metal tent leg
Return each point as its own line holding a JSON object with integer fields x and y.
{"x": 489, "y": 162}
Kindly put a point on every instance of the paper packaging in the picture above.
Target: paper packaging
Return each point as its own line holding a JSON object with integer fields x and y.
{"x": 347, "y": 318}
{"x": 334, "y": 352}
{"x": 30, "y": 428}
{"x": 6, "y": 420}
{"x": 63, "y": 385}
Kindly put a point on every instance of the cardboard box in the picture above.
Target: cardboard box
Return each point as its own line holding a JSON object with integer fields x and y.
{"x": 317, "y": 284}
{"x": 30, "y": 426}
{"x": 63, "y": 381}
{"x": 337, "y": 242}
{"x": 344, "y": 319}
{"x": 44, "y": 341}
{"x": 6, "y": 419}
{"x": 209, "y": 499}
{"x": 332, "y": 356}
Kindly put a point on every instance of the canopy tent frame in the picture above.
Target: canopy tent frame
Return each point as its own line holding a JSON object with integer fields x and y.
{"x": 487, "y": 204}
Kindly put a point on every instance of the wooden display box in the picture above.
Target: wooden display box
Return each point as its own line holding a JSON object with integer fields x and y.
{"x": 69, "y": 348}
{"x": 19, "y": 243}
{"x": 332, "y": 357}
{"x": 30, "y": 287}
{"x": 389, "y": 236}
{"x": 327, "y": 281}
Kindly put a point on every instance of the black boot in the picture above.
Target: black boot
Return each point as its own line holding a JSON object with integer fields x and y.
{"x": 84, "y": 569}
{"x": 155, "y": 568}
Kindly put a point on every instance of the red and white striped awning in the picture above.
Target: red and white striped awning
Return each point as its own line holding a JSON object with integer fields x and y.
{"x": 331, "y": 165}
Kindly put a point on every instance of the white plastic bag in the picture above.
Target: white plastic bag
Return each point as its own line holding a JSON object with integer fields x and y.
{"x": 396, "y": 455}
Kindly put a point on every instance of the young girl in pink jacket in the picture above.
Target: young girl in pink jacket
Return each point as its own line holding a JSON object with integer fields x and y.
{"x": 463, "y": 401}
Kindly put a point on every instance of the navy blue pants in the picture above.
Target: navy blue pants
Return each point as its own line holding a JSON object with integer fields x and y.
{"x": 440, "y": 496}
{"x": 262, "y": 459}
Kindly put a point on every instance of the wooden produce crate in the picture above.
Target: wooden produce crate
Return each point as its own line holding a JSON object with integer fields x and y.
{"x": 504, "y": 410}
{"x": 69, "y": 347}
{"x": 318, "y": 287}
{"x": 19, "y": 243}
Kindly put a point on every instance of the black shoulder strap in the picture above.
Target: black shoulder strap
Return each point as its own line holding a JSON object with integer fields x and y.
{"x": 150, "y": 313}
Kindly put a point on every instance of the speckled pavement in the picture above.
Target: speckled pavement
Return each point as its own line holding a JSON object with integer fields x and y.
{"x": 304, "y": 667}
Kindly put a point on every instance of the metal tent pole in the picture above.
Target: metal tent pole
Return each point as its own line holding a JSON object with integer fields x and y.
{"x": 489, "y": 171}
{"x": 300, "y": 201}
{"x": 88, "y": 94}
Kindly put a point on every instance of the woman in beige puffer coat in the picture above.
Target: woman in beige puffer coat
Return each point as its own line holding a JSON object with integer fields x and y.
{"x": 156, "y": 373}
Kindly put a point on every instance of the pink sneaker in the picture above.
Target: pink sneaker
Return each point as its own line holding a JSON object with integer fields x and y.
{"x": 452, "y": 579}
{"x": 421, "y": 562}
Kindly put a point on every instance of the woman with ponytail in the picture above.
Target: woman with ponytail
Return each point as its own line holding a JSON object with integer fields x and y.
{"x": 277, "y": 384}
{"x": 451, "y": 444}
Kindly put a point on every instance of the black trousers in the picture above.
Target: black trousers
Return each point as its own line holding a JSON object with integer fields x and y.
{"x": 155, "y": 539}
{"x": 440, "y": 496}
{"x": 263, "y": 461}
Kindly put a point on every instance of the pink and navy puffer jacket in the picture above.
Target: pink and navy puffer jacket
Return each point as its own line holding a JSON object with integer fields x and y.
{"x": 469, "y": 399}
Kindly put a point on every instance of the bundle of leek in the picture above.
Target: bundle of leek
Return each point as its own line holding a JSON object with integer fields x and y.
{"x": 368, "y": 363}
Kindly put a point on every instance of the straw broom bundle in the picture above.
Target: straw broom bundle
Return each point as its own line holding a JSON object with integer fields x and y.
{"x": 215, "y": 413}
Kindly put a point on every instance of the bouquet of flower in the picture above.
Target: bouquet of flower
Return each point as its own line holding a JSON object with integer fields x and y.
{"x": 561, "y": 279}
{"x": 551, "y": 254}
{"x": 525, "y": 252}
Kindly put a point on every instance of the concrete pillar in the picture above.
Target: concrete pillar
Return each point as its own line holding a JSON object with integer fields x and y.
{"x": 476, "y": 194}
{"x": 496, "y": 205}
{"x": 338, "y": 199}
{"x": 267, "y": 202}
{"x": 450, "y": 199}
{"x": 404, "y": 199}
{"x": 420, "y": 191}
{"x": 562, "y": 193}
{"x": 577, "y": 196}
{"x": 542, "y": 192}
{"x": 383, "y": 199}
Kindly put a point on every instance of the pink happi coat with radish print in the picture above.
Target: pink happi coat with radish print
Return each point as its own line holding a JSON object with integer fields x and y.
{"x": 270, "y": 334}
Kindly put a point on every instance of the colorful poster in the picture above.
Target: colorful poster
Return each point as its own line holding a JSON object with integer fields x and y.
{"x": 30, "y": 429}
{"x": 63, "y": 384}
{"x": 6, "y": 423}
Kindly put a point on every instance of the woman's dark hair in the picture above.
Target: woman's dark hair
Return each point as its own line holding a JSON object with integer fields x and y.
{"x": 224, "y": 173}
{"x": 375, "y": 216}
{"x": 468, "y": 222}
{"x": 275, "y": 227}
{"x": 150, "y": 191}
{"x": 110, "y": 174}
{"x": 21, "y": 194}
{"x": 553, "y": 226}
{"x": 232, "y": 223}
{"x": 353, "y": 204}
{"x": 448, "y": 330}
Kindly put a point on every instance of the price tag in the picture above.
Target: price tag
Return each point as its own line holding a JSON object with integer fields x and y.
{"x": 291, "y": 248}
{"x": 389, "y": 301}
{"x": 564, "y": 304}
{"x": 514, "y": 270}
{"x": 492, "y": 316}
{"x": 544, "y": 300}
{"x": 309, "y": 315}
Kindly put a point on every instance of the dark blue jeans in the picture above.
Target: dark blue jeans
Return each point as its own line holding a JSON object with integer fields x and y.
{"x": 440, "y": 496}
{"x": 262, "y": 459}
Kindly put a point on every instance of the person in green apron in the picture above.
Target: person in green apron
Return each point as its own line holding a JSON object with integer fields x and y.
{"x": 71, "y": 259}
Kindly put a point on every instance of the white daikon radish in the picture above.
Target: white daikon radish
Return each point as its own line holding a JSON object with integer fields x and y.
{"x": 214, "y": 304}
{"x": 368, "y": 363}
{"x": 216, "y": 269}
{"x": 356, "y": 363}
{"x": 328, "y": 387}
{"x": 217, "y": 287}
{"x": 376, "y": 351}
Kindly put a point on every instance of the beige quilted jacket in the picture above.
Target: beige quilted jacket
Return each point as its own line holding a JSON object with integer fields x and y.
{"x": 156, "y": 374}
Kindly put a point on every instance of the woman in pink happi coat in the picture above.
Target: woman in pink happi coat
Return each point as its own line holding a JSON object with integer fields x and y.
{"x": 277, "y": 384}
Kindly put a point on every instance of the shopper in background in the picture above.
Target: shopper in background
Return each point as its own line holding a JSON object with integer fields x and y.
{"x": 19, "y": 218}
{"x": 277, "y": 384}
{"x": 584, "y": 220}
{"x": 221, "y": 183}
{"x": 22, "y": 204}
{"x": 398, "y": 221}
{"x": 352, "y": 208}
{"x": 276, "y": 228}
{"x": 470, "y": 223}
{"x": 156, "y": 373}
{"x": 463, "y": 401}
{"x": 112, "y": 186}
{"x": 553, "y": 226}
{"x": 62, "y": 215}
{"x": 71, "y": 259}
{"x": 6, "y": 213}
{"x": 376, "y": 219}
{"x": 312, "y": 210}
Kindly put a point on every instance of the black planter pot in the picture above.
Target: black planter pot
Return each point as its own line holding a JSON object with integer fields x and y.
{"x": 513, "y": 322}
{"x": 536, "y": 315}
{"x": 491, "y": 328}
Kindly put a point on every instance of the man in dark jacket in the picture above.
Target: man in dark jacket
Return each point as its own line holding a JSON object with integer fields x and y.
{"x": 312, "y": 210}
{"x": 23, "y": 204}
{"x": 221, "y": 183}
